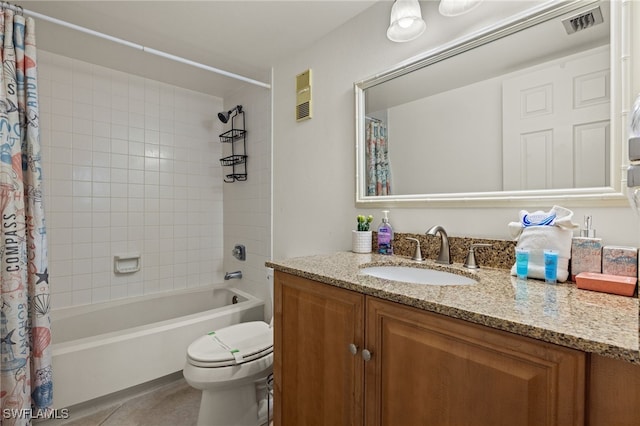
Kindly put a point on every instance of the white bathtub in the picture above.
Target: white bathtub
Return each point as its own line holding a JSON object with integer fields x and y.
{"x": 103, "y": 348}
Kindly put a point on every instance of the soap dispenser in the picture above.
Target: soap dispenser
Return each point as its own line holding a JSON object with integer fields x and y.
{"x": 586, "y": 251}
{"x": 385, "y": 235}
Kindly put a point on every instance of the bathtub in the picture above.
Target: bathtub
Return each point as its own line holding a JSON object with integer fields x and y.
{"x": 104, "y": 348}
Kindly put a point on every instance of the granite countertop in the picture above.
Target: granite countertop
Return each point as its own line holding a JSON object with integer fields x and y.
{"x": 560, "y": 313}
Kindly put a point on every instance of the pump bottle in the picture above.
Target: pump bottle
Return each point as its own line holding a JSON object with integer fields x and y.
{"x": 385, "y": 235}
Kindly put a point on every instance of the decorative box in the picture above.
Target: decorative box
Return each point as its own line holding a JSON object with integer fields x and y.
{"x": 622, "y": 261}
{"x": 586, "y": 255}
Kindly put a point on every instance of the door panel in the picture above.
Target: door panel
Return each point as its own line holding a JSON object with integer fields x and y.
{"x": 567, "y": 102}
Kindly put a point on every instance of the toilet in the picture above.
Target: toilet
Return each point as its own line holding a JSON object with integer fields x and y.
{"x": 231, "y": 367}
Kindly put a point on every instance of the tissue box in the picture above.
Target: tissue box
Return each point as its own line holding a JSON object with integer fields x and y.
{"x": 624, "y": 286}
{"x": 621, "y": 261}
{"x": 586, "y": 255}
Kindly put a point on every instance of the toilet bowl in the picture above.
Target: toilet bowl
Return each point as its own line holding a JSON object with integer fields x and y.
{"x": 231, "y": 366}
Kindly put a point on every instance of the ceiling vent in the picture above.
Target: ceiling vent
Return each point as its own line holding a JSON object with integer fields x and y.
{"x": 583, "y": 20}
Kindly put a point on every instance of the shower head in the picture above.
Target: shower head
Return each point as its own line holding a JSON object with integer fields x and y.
{"x": 224, "y": 116}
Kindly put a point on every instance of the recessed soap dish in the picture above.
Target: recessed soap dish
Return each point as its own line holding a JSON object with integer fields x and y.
{"x": 606, "y": 283}
{"x": 126, "y": 263}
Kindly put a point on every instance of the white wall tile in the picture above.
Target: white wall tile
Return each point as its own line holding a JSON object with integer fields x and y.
{"x": 101, "y": 144}
{"x": 113, "y": 185}
{"x": 80, "y": 297}
{"x": 246, "y": 214}
{"x": 119, "y": 291}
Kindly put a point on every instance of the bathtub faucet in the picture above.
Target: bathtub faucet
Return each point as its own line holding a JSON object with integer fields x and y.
{"x": 231, "y": 275}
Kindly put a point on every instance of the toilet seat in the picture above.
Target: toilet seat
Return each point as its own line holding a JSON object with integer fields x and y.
{"x": 233, "y": 345}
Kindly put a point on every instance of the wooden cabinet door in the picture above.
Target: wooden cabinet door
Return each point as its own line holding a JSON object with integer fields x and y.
{"x": 428, "y": 369}
{"x": 613, "y": 393}
{"x": 317, "y": 381}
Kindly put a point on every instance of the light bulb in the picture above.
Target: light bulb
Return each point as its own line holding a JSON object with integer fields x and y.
{"x": 405, "y": 22}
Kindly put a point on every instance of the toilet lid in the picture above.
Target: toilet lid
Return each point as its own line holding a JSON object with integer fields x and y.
{"x": 236, "y": 344}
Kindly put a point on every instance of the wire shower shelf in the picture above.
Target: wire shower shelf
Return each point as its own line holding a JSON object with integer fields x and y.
{"x": 238, "y": 158}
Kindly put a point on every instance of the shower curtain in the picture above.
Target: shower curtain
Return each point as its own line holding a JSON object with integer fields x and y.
{"x": 25, "y": 364}
{"x": 378, "y": 173}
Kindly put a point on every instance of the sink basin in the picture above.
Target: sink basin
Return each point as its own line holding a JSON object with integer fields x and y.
{"x": 408, "y": 274}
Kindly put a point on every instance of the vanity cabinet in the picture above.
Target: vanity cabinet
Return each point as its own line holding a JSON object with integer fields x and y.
{"x": 317, "y": 381}
{"x": 614, "y": 392}
{"x": 424, "y": 368}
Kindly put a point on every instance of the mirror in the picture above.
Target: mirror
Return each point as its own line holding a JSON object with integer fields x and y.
{"x": 523, "y": 110}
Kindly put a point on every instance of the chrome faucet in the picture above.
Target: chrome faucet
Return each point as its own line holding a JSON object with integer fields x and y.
{"x": 231, "y": 275}
{"x": 445, "y": 251}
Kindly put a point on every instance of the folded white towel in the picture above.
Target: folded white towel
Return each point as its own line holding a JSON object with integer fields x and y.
{"x": 557, "y": 216}
{"x": 537, "y": 239}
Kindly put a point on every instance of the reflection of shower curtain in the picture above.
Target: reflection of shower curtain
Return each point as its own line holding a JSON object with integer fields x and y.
{"x": 378, "y": 173}
{"x": 25, "y": 363}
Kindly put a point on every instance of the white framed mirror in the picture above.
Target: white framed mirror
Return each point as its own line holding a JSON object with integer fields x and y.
{"x": 528, "y": 109}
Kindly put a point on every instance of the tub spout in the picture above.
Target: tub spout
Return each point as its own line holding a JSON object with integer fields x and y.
{"x": 232, "y": 275}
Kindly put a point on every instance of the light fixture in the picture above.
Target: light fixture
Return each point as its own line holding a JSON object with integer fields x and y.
{"x": 457, "y": 7}
{"x": 406, "y": 21}
{"x": 224, "y": 116}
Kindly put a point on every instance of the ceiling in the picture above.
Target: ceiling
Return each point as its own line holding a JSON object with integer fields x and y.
{"x": 241, "y": 37}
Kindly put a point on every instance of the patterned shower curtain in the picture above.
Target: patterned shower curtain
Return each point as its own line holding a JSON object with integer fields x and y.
{"x": 377, "y": 157}
{"x": 25, "y": 363}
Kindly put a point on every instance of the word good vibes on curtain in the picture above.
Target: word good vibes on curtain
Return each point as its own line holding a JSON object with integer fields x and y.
{"x": 25, "y": 363}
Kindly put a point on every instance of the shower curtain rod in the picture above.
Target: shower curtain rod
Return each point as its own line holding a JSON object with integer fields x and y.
{"x": 20, "y": 9}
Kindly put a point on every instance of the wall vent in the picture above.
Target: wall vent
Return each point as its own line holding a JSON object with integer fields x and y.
{"x": 303, "y": 95}
{"x": 583, "y": 20}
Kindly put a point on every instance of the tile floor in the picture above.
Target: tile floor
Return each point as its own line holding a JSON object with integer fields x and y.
{"x": 172, "y": 404}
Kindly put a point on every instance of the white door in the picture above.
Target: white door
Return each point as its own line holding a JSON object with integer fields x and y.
{"x": 556, "y": 124}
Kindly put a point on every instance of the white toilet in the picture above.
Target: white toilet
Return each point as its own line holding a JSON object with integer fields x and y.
{"x": 231, "y": 366}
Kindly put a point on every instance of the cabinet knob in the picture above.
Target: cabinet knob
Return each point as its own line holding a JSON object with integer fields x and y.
{"x": 366, "y": 355}
{"x": 353, "y": 349}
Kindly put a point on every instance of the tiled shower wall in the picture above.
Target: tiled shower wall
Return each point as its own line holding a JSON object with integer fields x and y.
{"x": 247, "y": 205}
{"x": 130, "y": 165}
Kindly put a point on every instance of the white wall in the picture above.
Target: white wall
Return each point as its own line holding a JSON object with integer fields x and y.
{"x": 130, "y": 164}
{"x": 247, "y": 205}
{"x": 448, "y": 141}
{"x": 314, "y": 163}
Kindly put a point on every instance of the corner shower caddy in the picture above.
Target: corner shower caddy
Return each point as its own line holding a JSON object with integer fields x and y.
{"x": 238, "y": 158}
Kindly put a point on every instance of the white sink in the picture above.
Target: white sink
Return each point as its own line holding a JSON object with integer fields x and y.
{"x": 408, "y": 274}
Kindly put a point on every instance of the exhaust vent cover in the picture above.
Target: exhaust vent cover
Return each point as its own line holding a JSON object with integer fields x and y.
{"x": 303, "y": 95}
{"x": 583, "y": 20}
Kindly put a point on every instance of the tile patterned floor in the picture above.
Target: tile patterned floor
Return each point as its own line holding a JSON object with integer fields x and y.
{"x": 173, "y": 404}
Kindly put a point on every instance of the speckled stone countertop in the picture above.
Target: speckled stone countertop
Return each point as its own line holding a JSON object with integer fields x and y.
{"x": 557, "y": 313}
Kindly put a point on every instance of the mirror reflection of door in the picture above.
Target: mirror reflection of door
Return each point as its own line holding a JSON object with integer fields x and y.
{"x": 556, "y": 124}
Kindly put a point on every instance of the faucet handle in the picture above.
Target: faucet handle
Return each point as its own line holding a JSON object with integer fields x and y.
{"x": 417, "y": 255}
{"x": 471, "y": 256}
